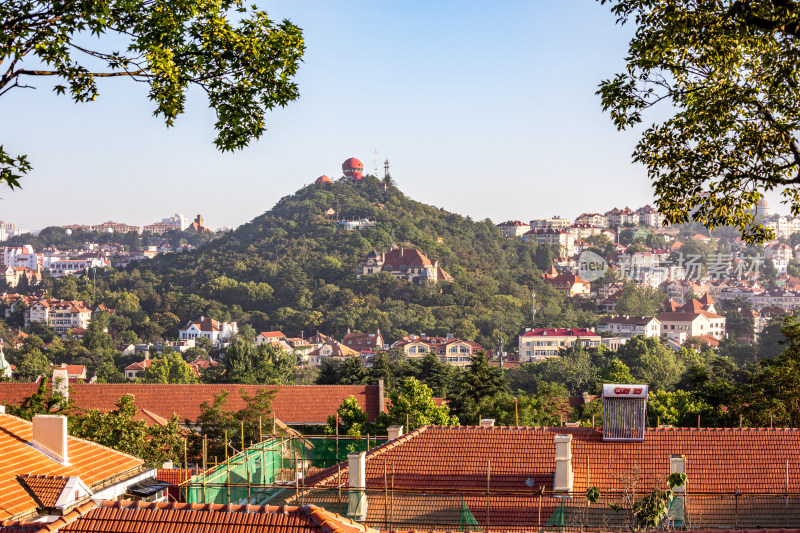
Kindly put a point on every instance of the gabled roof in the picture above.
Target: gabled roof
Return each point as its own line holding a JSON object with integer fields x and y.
{"x": 146, "y": 517}
{"x": 91, "y": 462}
{"x": 44, "y": 489}
{"x": 337, "y": 350}
{"x": 397, "y": 257}
{"x": 204, "y": 324}
{"x": 272, "y": 334}
{"x": 294, "y": 404}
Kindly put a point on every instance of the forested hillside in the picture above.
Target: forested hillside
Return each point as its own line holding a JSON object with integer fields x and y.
{"x": 293, "y": 269}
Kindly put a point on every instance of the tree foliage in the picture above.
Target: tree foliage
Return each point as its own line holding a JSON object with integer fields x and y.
{"x": 243, "y": 61}
{"x": 727, "y": 71}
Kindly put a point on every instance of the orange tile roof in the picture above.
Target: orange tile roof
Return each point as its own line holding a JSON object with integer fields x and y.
{"x": 295, "y": 404}
{"x": 146, "y": 517}
{"x": 176, "y": 476}
{"x": 89, "y": 461}
{"x": 44, "y": 489}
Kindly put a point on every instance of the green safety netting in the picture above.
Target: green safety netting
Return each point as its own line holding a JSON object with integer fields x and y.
{"x": 250, "y": 476}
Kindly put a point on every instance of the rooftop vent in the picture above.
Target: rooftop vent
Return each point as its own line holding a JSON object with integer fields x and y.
{"x": 487, "y": 422}
{"x": 624, "y": 412}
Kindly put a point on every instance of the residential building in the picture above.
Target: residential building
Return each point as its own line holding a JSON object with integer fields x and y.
{"x": 269, "y": 337}
{"x": 673, "y": 324}
{"x": 44, "y": 473}
{"x": 620, "y": 217}
{"x": 551, "y": 223}
{"x": 6, "y": 369}
{"x": 448, "y": 349}
{"x": 62, "y": 315}
{"x": 560, "y": 239}
{"x": 114, "y": 227}
{"x": 582, "y": 231}
{"x": 649, "y": 216}
{"x": 333, "y": 349}
{"x": 593, "y": 219}
{"x": 74, "y": 372}
{"x": 403, "y": 263}
{"x": 569, "y": 284}
{"x": 13, "y": 275}
{"x": 629, "y": 326}
{"x": 538, "y": 344}
{"x": 364, "y": 342}
{"x": 217, "y": 332}
{"x": 513, "y": 228}
{"x": 134, "y": 370}
{"x": 456, "y": 462}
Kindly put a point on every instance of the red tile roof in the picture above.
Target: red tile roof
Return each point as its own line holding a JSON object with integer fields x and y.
{"x": 560, "y": 332}
{"x": 44, "y": 489}
{"x": 147, "y": 517}
{"x": 176, "y": 476}
{"x": 455, "y": 458}
{"x": 89, "y": 461}
{"x": 298, "y": 404}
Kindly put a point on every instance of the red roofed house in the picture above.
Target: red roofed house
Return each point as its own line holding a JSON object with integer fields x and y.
{"x": 513, "y": 228}
{"x": 217, "y": 332}
{"x": 45, "y": 473}
{"x": 62, "y": 315}
{"x": 13, "y": 274}
{"x": 453, "y": 466}
{"x": 403, "y": 263}
{"x": 448, "y": 349}
{"x": 569, "y": 284}
{"x": 74, "y": 371}
{"x": 364, "y": 342}
{"x": 539, "y": 344}
{"x": 330, "y": 349}
{"x": 133, "y": 370}
{"x": 678, "y": 326}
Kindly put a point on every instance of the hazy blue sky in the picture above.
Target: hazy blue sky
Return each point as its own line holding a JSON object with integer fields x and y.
{"x": 484, "y": 108}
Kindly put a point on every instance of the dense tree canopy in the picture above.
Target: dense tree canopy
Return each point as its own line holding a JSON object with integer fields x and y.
{"x": 242, "y": 60}
{"x": 729, "y": 70}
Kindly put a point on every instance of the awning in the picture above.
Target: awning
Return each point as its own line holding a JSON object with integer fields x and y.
{"x": 147, "y": 487}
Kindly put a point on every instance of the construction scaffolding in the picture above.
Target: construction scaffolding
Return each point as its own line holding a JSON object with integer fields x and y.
{"x": 254, "y": 475}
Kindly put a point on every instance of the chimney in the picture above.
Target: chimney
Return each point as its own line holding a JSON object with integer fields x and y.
{"x": 381, "y": 397}
{"x": 357, "y": 474}
{"x": 564, "y": 477}
{"x": 50, "y": 436}
{"x": 487, "y": 422}
{"x": 61, "y": 382}
{"x": 395, "y": 432}
{"x": 2, "y": 409}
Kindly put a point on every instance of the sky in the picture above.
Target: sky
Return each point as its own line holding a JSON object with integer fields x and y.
{"x": 487, "y": 109}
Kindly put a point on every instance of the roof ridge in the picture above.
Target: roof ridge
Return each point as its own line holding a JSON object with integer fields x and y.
{"x": 326, "y": 519}
{"x": 70, "y": 517}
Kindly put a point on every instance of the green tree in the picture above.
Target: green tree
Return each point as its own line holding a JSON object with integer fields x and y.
{"x": 32, "y": 364}
{"x": 170, "y": 368}
{"x": 117, "y": 429}
{"x": 411, "y": 405}
{"x": 480, "y": 383}
{"x": 678, "y": 408}
{"x": 45, "y": 401}
{"x": 640, "y": 300}
{"x": 651, "y": 362}
{"x": 614, "y": 372}
{"x": 351, "y": 419}
{"x": 726, "y": 71}
{"x": 242, "y": 60}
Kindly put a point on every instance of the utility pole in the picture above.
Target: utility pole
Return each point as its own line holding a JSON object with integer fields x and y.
{"x": 533, "y": 308}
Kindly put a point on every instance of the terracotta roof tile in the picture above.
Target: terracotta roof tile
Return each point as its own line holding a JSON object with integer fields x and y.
{"x": 89, "y": 461}
{"x": 146, "y": 517}
{"x": 44, "y": 489}
{"x": 299, "y": 404}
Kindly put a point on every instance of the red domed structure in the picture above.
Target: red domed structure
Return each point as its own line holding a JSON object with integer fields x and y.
{"x": 353, "y": 169}
{"x": 323, "y": 179}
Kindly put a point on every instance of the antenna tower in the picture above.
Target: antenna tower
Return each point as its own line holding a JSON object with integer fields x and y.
{"x": 533, "y": 308}
{"x": 375, "y": 162}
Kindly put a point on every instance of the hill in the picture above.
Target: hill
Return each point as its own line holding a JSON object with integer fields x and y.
{"x": 293, "y": 269}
